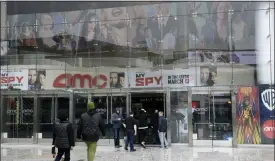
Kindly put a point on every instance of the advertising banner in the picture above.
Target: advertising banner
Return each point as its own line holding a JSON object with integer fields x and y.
{"x": 179, "y": 78}
{"x": 146, "y": 79}
{"x": 17, "y": 78}
{"x": 267, "y": 109}
{"x": 248, "y": 116}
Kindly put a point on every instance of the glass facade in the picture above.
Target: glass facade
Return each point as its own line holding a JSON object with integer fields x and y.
{"x": 198, "y": 55}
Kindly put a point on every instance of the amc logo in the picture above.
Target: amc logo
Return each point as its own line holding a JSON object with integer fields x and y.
{"x": 85, "y": 80}
{"x": 268, "y": 98}
{"x": 269, "y": 129}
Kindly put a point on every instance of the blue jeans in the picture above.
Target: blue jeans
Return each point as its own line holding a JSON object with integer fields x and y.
{"x": 162, "y": 139}
{"x": 116, "y": 136}
{"x": 130, "y": 139}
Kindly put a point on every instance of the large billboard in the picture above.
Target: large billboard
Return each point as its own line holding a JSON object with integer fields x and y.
{"x": 156, "y": 27}
{"x": 267, "y": 110}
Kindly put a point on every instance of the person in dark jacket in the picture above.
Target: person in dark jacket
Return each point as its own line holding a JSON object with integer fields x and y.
{"x": 155, "y": 124}
{"x": 63, "y": 137}
{"x": 143, "y": 127}
{"x": 116, "y": 120}
{"x": 89, "y": 127}
{"x": 131, "y": 130}
{"x": 162, "y": 130}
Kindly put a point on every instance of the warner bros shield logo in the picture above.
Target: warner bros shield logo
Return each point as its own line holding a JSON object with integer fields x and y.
{"x": 268, "y": 99}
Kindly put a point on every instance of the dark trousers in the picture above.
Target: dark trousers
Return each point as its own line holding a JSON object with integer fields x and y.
{"x": 116, "y": 136}
{"x": 130, "y": 139}
{"x": 142, "y": 133}
{"x": 61, "y": 152}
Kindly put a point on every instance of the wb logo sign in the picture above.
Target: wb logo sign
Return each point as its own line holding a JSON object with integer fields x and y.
{"x": 268, "y": 98}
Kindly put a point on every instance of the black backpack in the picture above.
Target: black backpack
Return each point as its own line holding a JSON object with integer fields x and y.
{"x": 90, "y": 126}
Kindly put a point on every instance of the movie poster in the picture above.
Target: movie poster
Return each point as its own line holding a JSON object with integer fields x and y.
{"x": 248, "y": 116}
{"x": 267, "y": 109}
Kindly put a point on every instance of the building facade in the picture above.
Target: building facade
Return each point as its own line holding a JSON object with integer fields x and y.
{"x": 208, "y": 65}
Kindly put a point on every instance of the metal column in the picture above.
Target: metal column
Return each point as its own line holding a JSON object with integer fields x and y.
{"x": 36, "y": 122}
{"x": 190, "y": 118}
{"x": 234, "y": 121}
{"x": 128, "y": 104}
{"x": 1, "y": 118}
{"x": 53, "y": 110}
{"x": 71, "y": 108}
{"x": 168, "y": 115}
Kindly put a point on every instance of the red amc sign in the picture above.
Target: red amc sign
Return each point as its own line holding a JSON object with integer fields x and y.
{"x": 64, "y": 80}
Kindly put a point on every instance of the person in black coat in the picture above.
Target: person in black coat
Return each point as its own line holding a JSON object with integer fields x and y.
{"x": 143, "y": 127}
{"x": 63, "y": 137}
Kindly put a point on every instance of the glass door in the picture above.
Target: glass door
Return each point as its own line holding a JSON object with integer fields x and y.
{"x": 220, "y": 119}
{"x": 212, "y": 119}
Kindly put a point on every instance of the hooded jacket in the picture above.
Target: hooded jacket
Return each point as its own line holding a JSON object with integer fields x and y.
{"x": 90, "y": 125}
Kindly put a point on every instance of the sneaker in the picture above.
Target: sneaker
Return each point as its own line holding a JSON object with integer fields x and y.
{"x": 143, "y": 145}
{"x": 133, "y": 150}
{"x": 119, "y": 146}
{"x": 126, "y": 148}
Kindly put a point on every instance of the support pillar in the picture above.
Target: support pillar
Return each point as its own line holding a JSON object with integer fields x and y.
{"x": 36, "y": 121}
{"x": 71, "y": 107}
{"x": 190, "y": 118}
{"x": 234, "y": 121}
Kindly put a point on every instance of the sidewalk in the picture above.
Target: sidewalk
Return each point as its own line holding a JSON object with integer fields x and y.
{"x": 40, "y": 152}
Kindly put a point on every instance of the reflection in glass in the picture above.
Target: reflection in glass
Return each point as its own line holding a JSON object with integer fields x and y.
{"x": 27, "y": 36}
{"x": 179, "y": 120}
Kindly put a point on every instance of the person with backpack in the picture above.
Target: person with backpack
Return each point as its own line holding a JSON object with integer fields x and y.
{"x": 63, "y": 137}
{"x": 162, "y": 129}
{"x": 90, "y": 125}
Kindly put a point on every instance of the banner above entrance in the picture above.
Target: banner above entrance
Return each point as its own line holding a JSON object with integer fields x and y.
{"x": 166, "y": 78}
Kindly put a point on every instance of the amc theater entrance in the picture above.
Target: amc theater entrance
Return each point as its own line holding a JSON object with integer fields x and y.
{"x": 212, "y": 119}
{"x": 151, "y": 103}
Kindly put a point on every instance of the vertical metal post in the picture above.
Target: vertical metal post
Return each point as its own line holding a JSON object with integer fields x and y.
{"x": 168, "y": 115}
{"x": 55, "y": 107}
{"x": 128, "y": 103}
{"x": 53, "y": 110}
{"x": 35, "y": 119}
{"x": 71, "y": 107}
{"x": 190, "y": 118}
{"x": 234, "y": 121}
{"x": 1, "y": 117}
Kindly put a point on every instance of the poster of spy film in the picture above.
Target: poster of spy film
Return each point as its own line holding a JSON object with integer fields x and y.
{"x": 248, "y": 116}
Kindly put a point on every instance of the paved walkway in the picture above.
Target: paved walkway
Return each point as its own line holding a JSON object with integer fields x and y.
{"x": 108, "y": 153}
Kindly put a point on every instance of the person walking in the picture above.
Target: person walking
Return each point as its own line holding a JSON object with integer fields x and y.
{"x": 90, "y": 125}
{"x": 162, "y": 130}
{"x": 155, "y": 124}
{"x": 131, "y": 130}
{"x": 116, "y": 120}
{"x": 63, "y": 137}
{"x": 143, "y": 127}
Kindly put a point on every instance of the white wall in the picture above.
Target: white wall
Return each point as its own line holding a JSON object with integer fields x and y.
{"x": 265, "y": 42}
